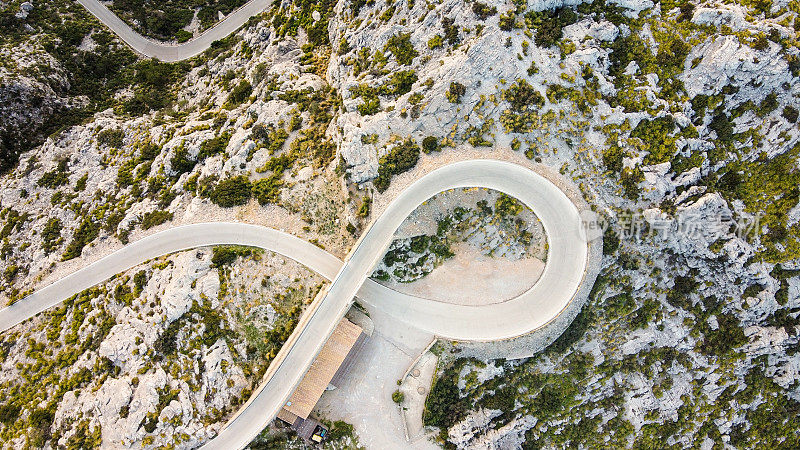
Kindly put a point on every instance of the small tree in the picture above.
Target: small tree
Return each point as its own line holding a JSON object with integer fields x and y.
{"x": 398, "y": 397}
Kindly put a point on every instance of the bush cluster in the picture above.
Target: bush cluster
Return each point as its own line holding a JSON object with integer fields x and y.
{"x": 86, "y": 232}
{"x": 522, "y": 96}
{"x": 506, "y": 205}
{"x": 152, "y": 80}
{"x": 483, "y": 11}
{"x": 401, "y": 47}
{"x": 444, "y": 405}
{"x": 450, "y": 31}
{"x": 223, "y": 255}
{"x": 401, "y": 158}
{"x": 239, "y": 94}
{"x": 657, "y": 138}
{"x": 181, "y": 162}
{"x": 232, "y": 191}
{"x": 51, "y": 235}
{"x": 214, "y": 146}
{"x": 270, "y": 136}
{"x": 155, "y": 218}
{"x": 549, "y": 24}
{"x": 455, "y": 92}
{"x": 56, "y": 177}
{"x": 111, "y": 137}
{"x": 430, "y": 144}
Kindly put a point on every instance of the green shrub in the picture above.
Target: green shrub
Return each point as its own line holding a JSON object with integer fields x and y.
{"x": 340, "y": 430}
{"x": 183, "y": 36}
{"x": 224, "y": 255}
{"x": 683, "y": 286}
{"x": 430, "y": 144}
{"x": 483, "y": 11}
{"x": 687, "y": 11}
{"x": 215, "y": 145}
{"x": 549, "y": 25}
{"x": 522, "y": 96}
{"x": 363, "y": 210}
{"x": 41, "y": 421}
{"x": 769, "y": 104}
{"x": 240, "y": 93}
{"x": 369, "y": 107}
{"x": 450, "y": 30}
{"x": 610, "y": 241}
{"x": 626, "y": 50}
{"x": 573, "y": 333}
{"x": 727, "y": 337}
{"x": 444, "y": 405}
{"x": 125, "y": 173}
{"x": 656, "y": 135}
{"x": 80, "y": 185}
{"x": 10, "y": 272}
{"x": 56, "y": 177}
{"x": 507, "y": 20}
{"x": 166, "y": 343}
{"x": 553, "y": 398}
{"x": 153, "y": 80}
{"x": 672, "y": 53}
{"x": 435, "y": 42}
{"x": 723, "y": 126}
{"x": 612, "y": 158}
{"x": 155, "y": 218}
{"x": 271, "y": 136}
{"x": 401, "y": 47}
{"x": 630, "y": 179}
{"x": 400, "y": 83}
{"x": 9, "y": 413}
{"x": 180, "y": 161}
{"x": 400, "y": 159}
{"x": 86, "y": 232}
{"x": 267, "y": 190}
{"x": 111, "y": 137}
{"x": 139, "y": 282}
{"x": 232, "y": 191}
{"x": 790, "y": 113}
{"x": 505, "y": 205}
{"x": 277, "y": 164}
{"x": 455, "y": 92}
{"x": 51, "y": 235}
{"x": 398, "y": 397}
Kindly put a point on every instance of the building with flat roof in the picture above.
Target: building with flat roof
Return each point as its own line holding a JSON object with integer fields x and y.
{"x": 328, "y": 369}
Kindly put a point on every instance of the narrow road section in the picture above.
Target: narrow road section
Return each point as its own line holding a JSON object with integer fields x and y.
{"x": 174, "y": 52}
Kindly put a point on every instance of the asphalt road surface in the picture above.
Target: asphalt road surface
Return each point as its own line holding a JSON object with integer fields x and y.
{"x": 174, "y": 52}
{"x": 567, "y": 260}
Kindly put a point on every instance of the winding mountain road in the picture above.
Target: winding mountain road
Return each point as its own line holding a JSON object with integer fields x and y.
{"x": 175, "y": 52}
{"x": 567, "y": 261}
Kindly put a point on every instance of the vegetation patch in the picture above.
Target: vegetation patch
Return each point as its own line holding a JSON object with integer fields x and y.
{"x": 401, "y": 158}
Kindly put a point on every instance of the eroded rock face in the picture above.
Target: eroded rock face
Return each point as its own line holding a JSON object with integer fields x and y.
{"x": 724, "y": 61}
{"x": 30, "y": 99}
{"x": 163, "y": 378}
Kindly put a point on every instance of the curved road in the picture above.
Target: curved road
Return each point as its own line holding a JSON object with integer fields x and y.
{"x": 562, "y": 277}
{"x": 172, "y": 52}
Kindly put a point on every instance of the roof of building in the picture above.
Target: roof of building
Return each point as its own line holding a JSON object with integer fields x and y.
{"x": 323, "y": 369}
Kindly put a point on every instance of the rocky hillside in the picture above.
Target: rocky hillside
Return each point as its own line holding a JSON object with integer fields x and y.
{"x": 678, "y": 120}
{"x": 160, "y": 356}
